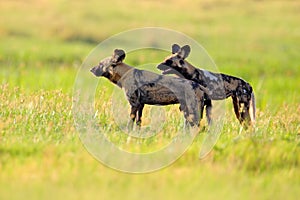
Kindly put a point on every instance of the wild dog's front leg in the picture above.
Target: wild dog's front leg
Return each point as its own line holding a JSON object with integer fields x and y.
{"x": 133, "y": 112}
{"x": 183, "y": 109}
{"x": 208, "y": 108}
{"x": 139, "y": 115}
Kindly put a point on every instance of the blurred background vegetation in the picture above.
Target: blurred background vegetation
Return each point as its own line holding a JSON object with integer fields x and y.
{"x": 256, "y": 40}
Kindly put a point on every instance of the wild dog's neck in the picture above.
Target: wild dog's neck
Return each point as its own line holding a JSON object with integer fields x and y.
{"x": 118, "y": 72}
{"x": 189, "y": 70}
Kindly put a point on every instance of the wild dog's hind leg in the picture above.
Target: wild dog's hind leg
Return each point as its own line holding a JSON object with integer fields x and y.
{"x": 252, "y": 109}
{"x": 236, "y": 107}
{"x": 245, "y": 115}
{"x": 241, "y": 110}
{"x": 133, "y": 112}
{"x": 208, "y": 108}
{"x": 139, "y": 115}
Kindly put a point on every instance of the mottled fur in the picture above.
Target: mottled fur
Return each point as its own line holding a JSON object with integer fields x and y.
{"x": 143, "y": 87}
{"x": 220, "y": 86}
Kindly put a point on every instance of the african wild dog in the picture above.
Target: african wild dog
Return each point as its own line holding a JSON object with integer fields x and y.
{"x": 143, "y": 87}
{"x": 220, "y": 85}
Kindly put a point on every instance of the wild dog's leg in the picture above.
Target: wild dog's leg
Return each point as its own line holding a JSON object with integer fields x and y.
{"x": 208, "y": 108}
{"x": 183, "y": 109}
{"x": 193, "y": 119}
{"x": 252, "y": 108}
{"x": 245, "y": 115}
{"x": 139, "y": 115}
{"x": 236, "y": 107}
{"x": 201, "y": 109}
{"x": 187, "y": 120}
{"x": 133, "y": 112}
{"x": 248, "y": 112}
{"x": 245, "y": 98}
{"x": 191, "y": 116}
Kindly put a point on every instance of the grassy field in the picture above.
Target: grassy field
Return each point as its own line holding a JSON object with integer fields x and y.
{"x": 42, "y": 46}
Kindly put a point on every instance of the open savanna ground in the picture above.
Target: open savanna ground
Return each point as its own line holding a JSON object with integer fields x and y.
{"x": 42, "y": 46}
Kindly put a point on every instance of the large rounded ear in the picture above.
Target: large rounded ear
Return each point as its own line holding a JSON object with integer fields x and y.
{"x": 185, "y": 51}
{"x": 175, "y": 48}
{"x": 118, "y": 56}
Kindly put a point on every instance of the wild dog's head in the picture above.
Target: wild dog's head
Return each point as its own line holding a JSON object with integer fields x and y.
{"x": 106, "y": 66}
{"x": 176, "y": 62}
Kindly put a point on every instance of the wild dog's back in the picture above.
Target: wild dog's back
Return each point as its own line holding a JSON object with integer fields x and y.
{"x": 158, "y": 89}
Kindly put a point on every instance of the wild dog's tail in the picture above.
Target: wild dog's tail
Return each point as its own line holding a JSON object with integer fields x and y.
{"x": 252, "y": 108}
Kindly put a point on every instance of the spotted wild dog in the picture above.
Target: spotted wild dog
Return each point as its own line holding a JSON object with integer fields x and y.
{"x": 220, "y": 85}
{"x": 144, "y": 87}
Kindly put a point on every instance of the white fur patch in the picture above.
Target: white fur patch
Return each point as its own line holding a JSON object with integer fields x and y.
{"x": 210, "y": 76}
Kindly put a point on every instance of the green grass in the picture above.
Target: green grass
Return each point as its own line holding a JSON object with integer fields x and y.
{"x": 42, "y": 45}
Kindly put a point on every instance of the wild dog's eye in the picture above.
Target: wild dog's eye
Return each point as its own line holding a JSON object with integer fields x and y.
{"x": 181, "y": 62}
{"x": 169, "y": 62}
